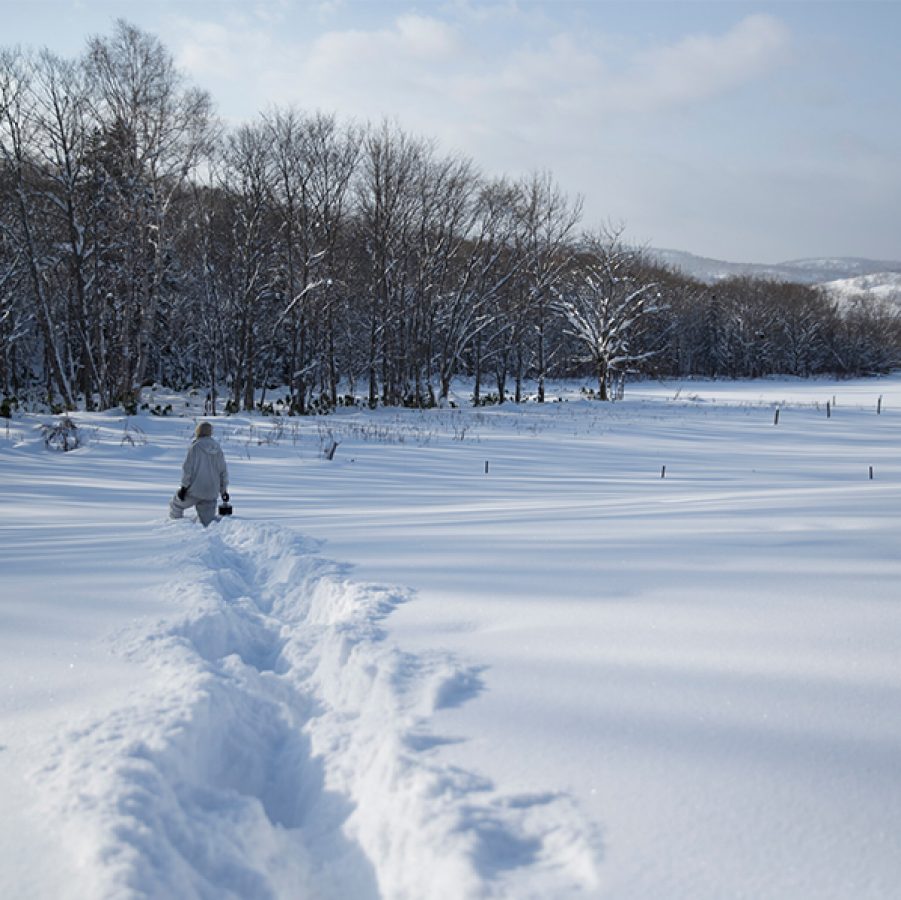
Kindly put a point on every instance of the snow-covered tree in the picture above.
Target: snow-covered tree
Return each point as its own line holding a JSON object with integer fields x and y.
{"x": 608, "y": 307}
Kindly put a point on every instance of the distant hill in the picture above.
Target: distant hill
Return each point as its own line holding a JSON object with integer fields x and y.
{"x": 883, "y": 286}
{"x": 802, "y": 271}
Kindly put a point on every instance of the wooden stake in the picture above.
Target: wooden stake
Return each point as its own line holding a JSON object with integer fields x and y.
{"x": 828, "y": 410}
{"x": 663, "y": 472}
{"x": 776, "y": 418}
{"x": 879, "y": 406}
{"x": 486, "y": 466}
{"x": 871, "y": 473}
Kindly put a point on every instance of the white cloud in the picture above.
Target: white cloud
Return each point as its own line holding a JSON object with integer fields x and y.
{"x": 426, "y": 38}
{"x": 395, "y": 71}
{"x": 221, "y": 50}
{"x": 412, "y": 46}
{"x": 704, "y": 66}
{"x": 206, "y": 50}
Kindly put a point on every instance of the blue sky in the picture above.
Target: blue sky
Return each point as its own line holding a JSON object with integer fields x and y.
{"x": 754, "y": 132}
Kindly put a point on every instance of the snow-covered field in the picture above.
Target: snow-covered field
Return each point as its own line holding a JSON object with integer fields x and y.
{"x": 479, "y": 653}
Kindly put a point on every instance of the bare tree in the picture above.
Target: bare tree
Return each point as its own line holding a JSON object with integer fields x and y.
{"x": 313, "y": 163}
{"x": 333, "y": 154}
{"x": 18, "y": 136}
{"x": 609, "y": 306}
{"x": 548, "y": 219}
{"x": 487, "y": 266}
{"x": 440, "y": 291}
{"x": 63, "y": 126}
{"x": 388, "y": 205}
{"x": 251, "y": 297}
{"x": 156, "y": 132}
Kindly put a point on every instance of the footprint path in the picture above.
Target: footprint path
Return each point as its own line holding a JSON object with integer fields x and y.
{"x": 284, "y": 749}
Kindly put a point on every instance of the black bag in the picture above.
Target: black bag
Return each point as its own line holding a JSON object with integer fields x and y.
{"x": 225, "y": 508}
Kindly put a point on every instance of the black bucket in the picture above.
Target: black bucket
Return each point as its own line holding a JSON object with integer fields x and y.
{"x": 225, "y": 508}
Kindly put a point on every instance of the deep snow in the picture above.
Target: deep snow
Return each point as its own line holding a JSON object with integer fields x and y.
{"x": 394, "y": 674}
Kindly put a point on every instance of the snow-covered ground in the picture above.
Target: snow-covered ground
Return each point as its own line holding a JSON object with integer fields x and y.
{"x": 479, "y": 653}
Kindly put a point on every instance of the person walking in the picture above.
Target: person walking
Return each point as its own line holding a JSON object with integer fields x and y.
{"x": 204, "y": 476}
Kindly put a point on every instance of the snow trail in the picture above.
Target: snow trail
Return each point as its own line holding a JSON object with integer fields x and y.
{"x": 283, "y": 748}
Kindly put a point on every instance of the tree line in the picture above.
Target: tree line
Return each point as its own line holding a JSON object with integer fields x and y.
{"x": 141, "y": 242}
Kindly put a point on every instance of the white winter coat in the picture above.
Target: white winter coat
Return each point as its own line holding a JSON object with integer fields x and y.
{"x": 204, "y": 472}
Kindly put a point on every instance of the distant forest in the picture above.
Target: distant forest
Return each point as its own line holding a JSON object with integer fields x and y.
{"x": 143, "y": 243}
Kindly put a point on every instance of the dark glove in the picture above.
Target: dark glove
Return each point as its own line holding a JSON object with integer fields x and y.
{"x": 182, "y": 493}
{"x": 225, "y": 496}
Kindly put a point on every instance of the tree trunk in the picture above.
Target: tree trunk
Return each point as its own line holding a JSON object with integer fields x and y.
{"x": 603, "y": 375}
{"x": 477, "y": 366}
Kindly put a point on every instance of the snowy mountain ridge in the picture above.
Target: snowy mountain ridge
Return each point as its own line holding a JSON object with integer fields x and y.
{"x": 803, "y": 271}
